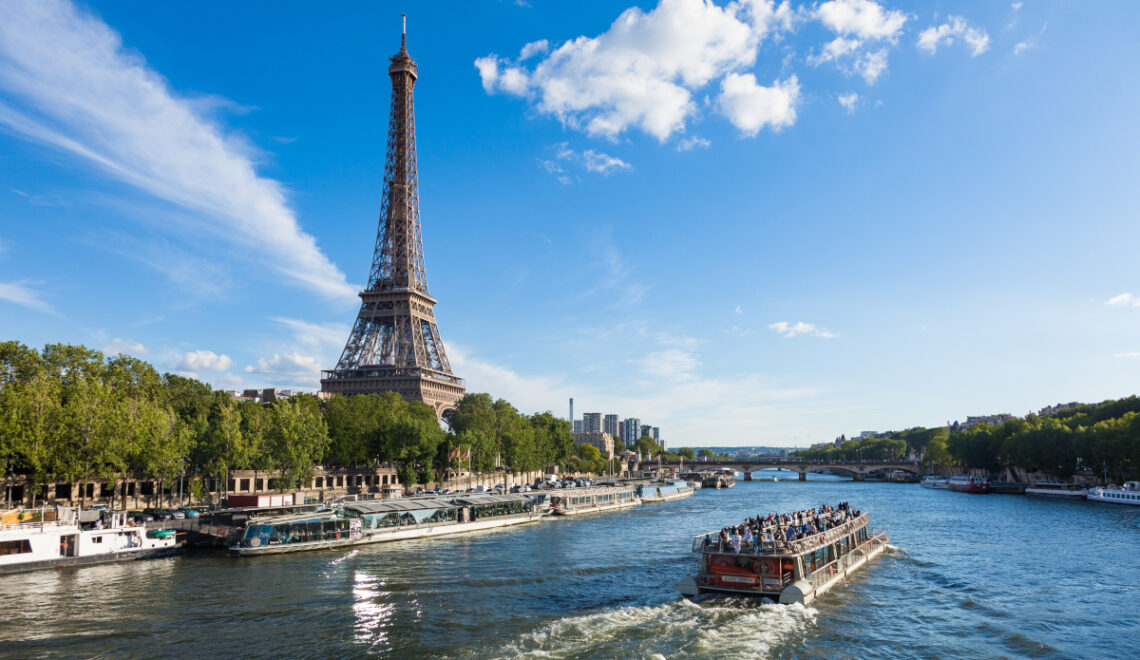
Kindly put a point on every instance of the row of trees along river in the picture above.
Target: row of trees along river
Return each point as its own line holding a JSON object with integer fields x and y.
{"x": 1104, "y": 436}
{"x": 70, "y": 414}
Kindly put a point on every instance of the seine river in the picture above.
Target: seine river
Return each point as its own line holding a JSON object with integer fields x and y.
{"x": 969, "y": 577}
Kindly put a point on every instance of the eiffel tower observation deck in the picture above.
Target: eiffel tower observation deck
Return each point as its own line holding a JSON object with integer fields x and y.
{"x": 395, "y": 345}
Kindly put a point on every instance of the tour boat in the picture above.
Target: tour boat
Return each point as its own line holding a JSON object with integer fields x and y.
{"x": 795, "y": 571}
{"x": 935, "y": 481}
{"x": 1129, "y": 494}
{"x": 1057, "y": 490}
{"x": 49, "y": 538}
{"x": 665, "y": 491}
{"x": 592, "y": 500}
{"x": 968, "y": 484}
{"x": 378, "y": 521}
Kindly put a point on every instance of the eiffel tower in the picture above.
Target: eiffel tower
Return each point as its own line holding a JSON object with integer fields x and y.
{"x": 395, "y": 344}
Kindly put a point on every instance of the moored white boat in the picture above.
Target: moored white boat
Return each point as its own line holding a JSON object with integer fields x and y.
{"x": 935, "y": 481}
{"x": 1129, "y": 494}
{"x": 54, "y": 538}
{"x": 1057, "y": 490}
{"x": 380, "y": 521}
{"x": 666, "y": 491}
{"x": 591, "y": 500}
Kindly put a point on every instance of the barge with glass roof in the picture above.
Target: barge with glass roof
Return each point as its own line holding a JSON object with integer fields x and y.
{"x": 578, "y": 501}
{"x": 785, "y": 561}
{"x": 378, "y": 521}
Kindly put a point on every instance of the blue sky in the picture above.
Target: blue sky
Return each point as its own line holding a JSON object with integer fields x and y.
{"x": 745, "y": 223}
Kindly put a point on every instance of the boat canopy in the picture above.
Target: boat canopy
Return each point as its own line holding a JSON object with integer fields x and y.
{"x": 396, "y": 506}
{"x": 491, "y": 499}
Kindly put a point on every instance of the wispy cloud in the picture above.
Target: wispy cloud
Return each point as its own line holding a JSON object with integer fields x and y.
{"x": 955, "y": 28}
{"x": 315, "y": 335}
{"x": 596, "y": 161}
{"x": 790, "y": 330}
{"x": 692, "y": 142}
{"x": 82, "y": 92}
{"x": 1124, "y": 300}
{"x": 848, "y": 101}
{"x": 1127, "y": 355}
{"x": 20, "y": 293}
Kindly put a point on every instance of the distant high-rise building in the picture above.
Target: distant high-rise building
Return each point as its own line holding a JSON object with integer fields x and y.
{"x": 656, "y": 432}
{"x": 646, "y": 430}
{"x": 591, "y": 422}
{"x": 610, "y": 425}
{"x": 630, "y": 430}
{"x": 571, "y": 418}
{"x": 577, "y": 426}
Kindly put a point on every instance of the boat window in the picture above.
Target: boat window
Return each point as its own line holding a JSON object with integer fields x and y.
{"x": 15, "y": 547}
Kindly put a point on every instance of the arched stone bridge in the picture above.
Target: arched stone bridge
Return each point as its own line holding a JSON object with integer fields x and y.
{"x": 858, "y": 470}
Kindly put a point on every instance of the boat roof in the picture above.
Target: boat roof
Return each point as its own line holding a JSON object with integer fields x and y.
{"x": 492, "y": 499}
{"x": 393, "y": 506}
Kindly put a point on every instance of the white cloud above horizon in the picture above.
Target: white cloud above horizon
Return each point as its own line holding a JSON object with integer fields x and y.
{"x": 83, "y": 92}
{"x": 124, "y": 346}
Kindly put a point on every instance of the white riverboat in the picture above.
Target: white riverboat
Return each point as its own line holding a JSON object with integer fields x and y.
{"x": 787, "y": 570}
{"x": 379, "y": 521}
{"x": 935, "y": 481}
{"x": 578, "y": 501}
{"x": 1058, "y": 490}
{"x": 1129, "y": 494}
{"x": 664, "y": 491}
{"x": 54, "y": 538}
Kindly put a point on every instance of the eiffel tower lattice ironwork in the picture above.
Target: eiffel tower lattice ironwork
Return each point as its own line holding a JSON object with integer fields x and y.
{"x": 395, "y": 344}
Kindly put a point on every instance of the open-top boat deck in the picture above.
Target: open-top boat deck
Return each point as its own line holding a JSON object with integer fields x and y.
{"x": 791, "y": 558}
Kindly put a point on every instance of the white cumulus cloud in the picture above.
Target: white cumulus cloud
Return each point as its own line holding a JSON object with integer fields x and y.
{"x": 790, "y": 330}
{"x": 864, "y": 19}
{"x": 861, "y": 27}
{"x": 751, "y": 106}
{"x": 955, "y": 28}
{"x": 289, "y": 369}
{"x": 204, "y": 361}
{"x": 641, "y": 73}
{"x": 72, "y": 85}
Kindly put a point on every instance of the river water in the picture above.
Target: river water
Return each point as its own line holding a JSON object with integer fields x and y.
{"x": 968, "y": 576}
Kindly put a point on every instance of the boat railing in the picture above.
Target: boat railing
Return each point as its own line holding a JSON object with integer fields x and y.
{"x": 823, "y": 574}
{"x": 770, "y": 542}
{"x": 37, "y": 524}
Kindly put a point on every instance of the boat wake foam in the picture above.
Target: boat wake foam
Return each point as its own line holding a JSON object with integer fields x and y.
{"x": 726, "y": 627}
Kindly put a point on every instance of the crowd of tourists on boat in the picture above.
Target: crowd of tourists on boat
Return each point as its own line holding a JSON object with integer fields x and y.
{"x": 781, "y": 529}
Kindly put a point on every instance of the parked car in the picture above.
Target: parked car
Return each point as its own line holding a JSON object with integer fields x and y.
{"x": 189, "y": 512}
{"x": 140, "y": 517}
{"x": 98, "y": 507}
{"x": 177, "y": 514}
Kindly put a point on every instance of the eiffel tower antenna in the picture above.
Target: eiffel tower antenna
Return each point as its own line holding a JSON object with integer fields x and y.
{"x": 395, "y": 344}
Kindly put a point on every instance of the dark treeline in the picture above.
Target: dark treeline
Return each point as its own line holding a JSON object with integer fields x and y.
{"x": 1097, "y": 436}
{"x": 70, "y": 414}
